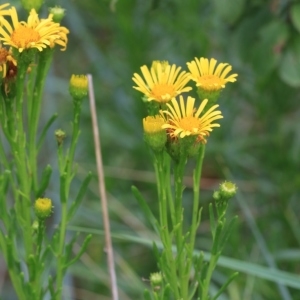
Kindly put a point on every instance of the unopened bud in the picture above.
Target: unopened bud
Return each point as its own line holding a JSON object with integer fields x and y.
{"x": 43, "y": 208}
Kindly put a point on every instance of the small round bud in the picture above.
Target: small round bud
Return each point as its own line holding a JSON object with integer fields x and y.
{"x": 60, "y": 135}
{"x": 35, "y": 225}
{"x": 216, "y": 195}
{"x": 43, "y": 208}
{"x": 156, "y": 279}
{"x": 32, "y": 4}
{"x": 57, "y": 13}
{"x": 227, "y": 189}
{"x": 78, "y": 86}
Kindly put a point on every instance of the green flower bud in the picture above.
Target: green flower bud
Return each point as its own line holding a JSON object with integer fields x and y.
{"x": 60, "y": 136}
{"x": 227, "y": 190}
{"x": 78, "y": 86}
{"x": 154, "y": 135}
{"x": 57, "y": 13}
{"x": 30, "y": 4}
{"x": 156, "y": 279}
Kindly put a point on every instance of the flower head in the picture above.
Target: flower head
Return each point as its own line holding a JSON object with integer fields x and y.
{"x": 58, "y": 13}
{"x": 35, "y": 33}
{"x": 185, "y": 120}
{"x": 5, "y": 58}
{"x": 43, "y": 207}
{"x": 78, "y": 86}
{"x": 154, "y": 135}
{"x": 162, "y": 83}
{"x": 209, "y": 77}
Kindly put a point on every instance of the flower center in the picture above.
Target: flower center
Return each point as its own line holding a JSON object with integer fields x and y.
{"x": 189, "y": 124}
{"x": 24, "y": 36}
{"x": 163, "y": 92}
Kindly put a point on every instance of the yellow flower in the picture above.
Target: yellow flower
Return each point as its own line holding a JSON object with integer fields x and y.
{"x": 155, "y": 136}
{"x": 43, "y": 207}
{"x": 152, "y": 124}
{"x": 209, "y": 77}
{"x": 5, "y": 58}
{"x": 162, "y": 82}
{"x": 184, "y": 120}
{"x": 35, "y": 33}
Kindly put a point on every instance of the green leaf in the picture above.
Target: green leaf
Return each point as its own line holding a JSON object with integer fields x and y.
{"x": 275, "y": 275}
{"x": 289, "y": 69}
{"x": 147, "y": 295}
{"x": 44, "y": 181}
{"x": 295, "y": 15}
{"x": 224, "y": 286}
{"x": 145, "y": 207}
{"x": 79, "y": 197}
{"x": 229, "y": 11}
{"x": 267, "y": 52}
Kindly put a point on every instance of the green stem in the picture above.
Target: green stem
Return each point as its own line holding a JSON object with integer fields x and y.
{"x": 196, "y": 199}
{"x": 45, "y": 58}
{"x": 208, "y": 275}
{"x": 18, "y": 146}
{"x": 66, "y": 176}
{"x": 40, "y": 237}
{"x": 162, "y": 165}
{"x": 71, "y": 153}
{"x": 61, "y": 247}
{"x": 183, "y": 276}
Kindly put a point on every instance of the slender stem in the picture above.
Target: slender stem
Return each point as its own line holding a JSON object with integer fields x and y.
{"x": 196, "y": 198}
{"x": 61, "y": 247}
{"x": 40, "y": 236}
{"x": 20, "y": 156}
{"x": 162, "y": 164}
{"x": 66, "y": 176}
{"x": 45, "y": 58}
{"x": 74, "y": 139}
{"x": 102, "y": 191}
{"x": 208, "y": 275}
{"x": 181, "y": 254}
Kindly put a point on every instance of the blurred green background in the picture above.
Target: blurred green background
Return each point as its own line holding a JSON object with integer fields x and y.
{"x": 257, "y": 146}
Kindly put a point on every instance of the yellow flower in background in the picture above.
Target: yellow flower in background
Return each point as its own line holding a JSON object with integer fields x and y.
{"x": 184, "y": 120}
{"x": 5, "y": 58}
{"x": 208, "y": 75}
{"x": 35, "y": 33}
{"x": 162, "y": 82}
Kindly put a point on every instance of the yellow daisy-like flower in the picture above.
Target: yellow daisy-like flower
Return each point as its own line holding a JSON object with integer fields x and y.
{"x": 162, "y": 82}
{"x": 5, "y": 57}
{"x": 35, "y": 33}
{"x": 209, "y": 77}
{"x": 185, "y": 120}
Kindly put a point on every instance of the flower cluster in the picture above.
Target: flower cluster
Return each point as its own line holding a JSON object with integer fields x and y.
{"x": 21, "y": 36}
{"x": 181, "y": 118}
